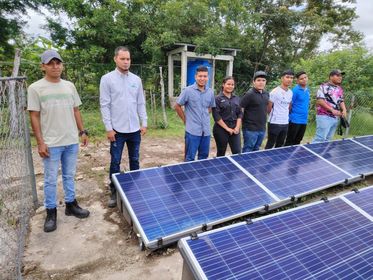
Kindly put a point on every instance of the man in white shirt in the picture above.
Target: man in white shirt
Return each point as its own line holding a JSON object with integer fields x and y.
{"x": 123, "y": 112}
{"x": 278, "y": 107}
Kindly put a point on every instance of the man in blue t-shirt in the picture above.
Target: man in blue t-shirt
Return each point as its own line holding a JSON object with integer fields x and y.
{"x": 299, "y": 110}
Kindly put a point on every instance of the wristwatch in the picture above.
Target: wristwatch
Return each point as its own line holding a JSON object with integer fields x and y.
{"x": 83, "y": 132}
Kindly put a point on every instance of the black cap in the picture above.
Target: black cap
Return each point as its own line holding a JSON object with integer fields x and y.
{"x": 336, "y": 72}
{"x": 259, "y": 74}
{"x": 287, "y": 72}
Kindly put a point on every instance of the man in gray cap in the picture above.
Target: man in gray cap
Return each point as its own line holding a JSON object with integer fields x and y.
{"x": 254, "y": 104}
{"x": 330, "y": 107}
{"x": 57, "y": 124}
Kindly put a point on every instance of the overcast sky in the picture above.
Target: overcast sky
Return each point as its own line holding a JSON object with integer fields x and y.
{"x": 364, "y": 24}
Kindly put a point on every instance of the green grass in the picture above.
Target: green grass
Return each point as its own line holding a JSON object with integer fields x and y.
{"x": 156, "y": 128}
{"x": 362, "y": 124}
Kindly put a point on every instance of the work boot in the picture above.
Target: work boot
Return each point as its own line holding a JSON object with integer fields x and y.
{"x": 113, "y": 200}
{"x": 73, "y": 209}
{"x": 50, "y": 223}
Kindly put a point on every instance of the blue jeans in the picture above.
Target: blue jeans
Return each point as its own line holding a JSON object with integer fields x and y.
{"x": 116, "y": 149}
{"x": 196, "y": 143}
{"x": 68, "y": 156}
{"x": 325, "y": 128}
{"x": 252, "y": 140}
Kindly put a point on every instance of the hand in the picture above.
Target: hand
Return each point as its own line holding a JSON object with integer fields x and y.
{"x": 344, "y": 114}
{"x": 84, "y": 140}
{"x": 336, "y": 113}
{"x": 143, "y": 130}
{"x": 43, "y": 150}
{"x": 236, "y": 130}
{"x": 230, "y": 130}
{"x": 111, "y": 135}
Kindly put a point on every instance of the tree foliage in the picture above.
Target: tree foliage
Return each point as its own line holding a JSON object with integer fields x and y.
{"x": 11, "y": 22}
{"x": 272, "y": 34}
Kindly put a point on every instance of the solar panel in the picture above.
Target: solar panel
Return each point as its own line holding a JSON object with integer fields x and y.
{"x": 291, "y": 171}
{"x": 174, "y": 200}
{"x": 365, "y": 140}
{"x": 363, "y": 199}
{"x": 346, "y": 154}
{"x": 318, "y": 241}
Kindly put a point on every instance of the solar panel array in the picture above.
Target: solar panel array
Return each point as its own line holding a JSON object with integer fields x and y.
{"x": 365, "y": 140}
{"x": 290, "y": 171}
{"x": 169, "y": 202}
{"x": 171, "y": 199}
{"x": 346, "y": 154}
{"x": 332, "y": 240}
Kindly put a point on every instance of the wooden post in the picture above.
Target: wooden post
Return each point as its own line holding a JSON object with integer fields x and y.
{"x": 12, "y": 95}
{"x": 162, "y": 99}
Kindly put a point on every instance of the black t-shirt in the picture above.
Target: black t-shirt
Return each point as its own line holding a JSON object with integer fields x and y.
{"x": 255, "y": 104}
{"x": 227, "y": 109}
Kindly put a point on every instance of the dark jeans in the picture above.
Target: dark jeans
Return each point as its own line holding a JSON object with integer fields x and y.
{"x": 116, "y": 149}
{"x": 276, "y": 135}
{"x": 222, "y": 138}
{"x": 295, "y": 133}
{"x": 194, "y": 144}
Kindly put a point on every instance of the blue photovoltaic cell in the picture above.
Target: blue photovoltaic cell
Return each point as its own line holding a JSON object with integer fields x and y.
{"x": 363, "y": 199}
{"x": 365, "y": 140}
{"x": 346, "y": 154}
{"x": 323, "y": 241}
{"x": 176, "y": 198}
{"x": 290, "y": 171}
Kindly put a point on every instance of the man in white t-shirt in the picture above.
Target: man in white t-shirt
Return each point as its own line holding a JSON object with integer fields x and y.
{"x": 55, "y": 119}
{"x": 278, "y": 107}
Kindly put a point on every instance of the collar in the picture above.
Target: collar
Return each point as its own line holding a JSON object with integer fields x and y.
{"x": 195, "y": 86}
{"x": 222, "y": 95}
{"x": 121, "y": 74}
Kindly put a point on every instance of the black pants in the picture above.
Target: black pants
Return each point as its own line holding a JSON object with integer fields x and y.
{"x": 222, "y": 138}
{"x": 276, "y": 135}
{"x": 295, "y": 133}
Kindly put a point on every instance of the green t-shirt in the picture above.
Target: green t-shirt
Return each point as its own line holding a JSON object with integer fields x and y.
{"x": 55, "y": 102}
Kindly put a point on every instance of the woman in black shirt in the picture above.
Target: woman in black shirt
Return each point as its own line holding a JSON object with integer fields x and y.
{"x": 228, "y": 117}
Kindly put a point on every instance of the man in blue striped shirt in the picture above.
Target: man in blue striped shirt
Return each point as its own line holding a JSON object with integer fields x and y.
{"x": 123, "y": 112}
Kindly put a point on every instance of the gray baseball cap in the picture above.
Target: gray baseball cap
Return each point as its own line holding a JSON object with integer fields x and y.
{"x": 48, "y": 55}
{"x": 260, "y": 74}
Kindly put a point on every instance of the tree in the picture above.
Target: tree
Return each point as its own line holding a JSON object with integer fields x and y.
{"x": 11, "y": 23}
{"x": 272, "y": 34}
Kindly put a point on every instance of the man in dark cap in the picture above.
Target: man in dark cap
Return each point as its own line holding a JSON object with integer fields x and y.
{"x": 53, "y": 104}
{"x": 330, "y": 107}
{"x": 254, "y": 104}
{"x": 278, "y": 108}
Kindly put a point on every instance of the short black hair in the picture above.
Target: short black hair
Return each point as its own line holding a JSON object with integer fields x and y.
{"x": 121, "y": 48}
{"x": 202, "y": 68}
{"x": 287, "y": 72}
{"x": 300, "y": 73}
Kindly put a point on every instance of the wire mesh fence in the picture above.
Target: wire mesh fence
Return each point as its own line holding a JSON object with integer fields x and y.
{"x": 17, "y": 182}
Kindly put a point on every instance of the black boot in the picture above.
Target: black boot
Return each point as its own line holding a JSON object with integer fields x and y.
{"x": 113, "y": 200}
{"x": 73, "y": 209}
{"x": 50, "y": 223}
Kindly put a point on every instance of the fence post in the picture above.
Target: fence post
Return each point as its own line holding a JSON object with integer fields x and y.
{"x": 162, "y": 99}
{"x": 12, "y": 96}
{"x": 347, "y": 132}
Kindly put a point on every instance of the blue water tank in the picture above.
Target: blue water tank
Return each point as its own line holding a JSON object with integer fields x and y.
{"x": 192, "y": 67}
